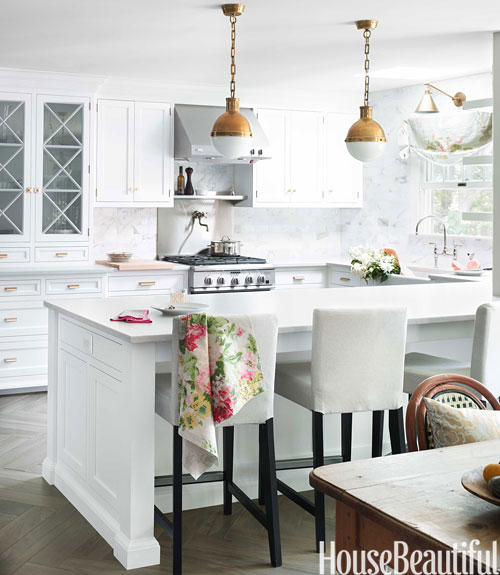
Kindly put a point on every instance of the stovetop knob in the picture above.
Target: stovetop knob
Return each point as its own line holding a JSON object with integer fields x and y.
{"x": 220, "y": 280}
{"x": 249, "y": 280}
{"x": 261, "y": 279}
{"x": 235, "y": 281}
{"x": 208, "y": 281}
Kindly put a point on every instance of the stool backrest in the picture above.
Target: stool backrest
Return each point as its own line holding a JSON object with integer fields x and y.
{"x": 455, "y": 390}
{"x": 261, "y": 407}
{"x": 358, "y": 359}
{"x": 485, "y": 363}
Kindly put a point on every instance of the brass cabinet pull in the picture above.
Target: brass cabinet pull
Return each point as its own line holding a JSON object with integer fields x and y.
{"x": 10, "y": 288}
{"x": 3, "y": 256}
{"x": 147, "y": 283}
{"x": 294, "y": 191}
{"x": 73, "y": 286}
{"x": 10, "y": 359}
{"x": 10, "y": 319}
{"x": 61, "y": 254}
{"x": 36, "y": 190}
{"x": 345, "y": 279}
{"x": 29, "y": 189}
{"x": 299, "y": 278}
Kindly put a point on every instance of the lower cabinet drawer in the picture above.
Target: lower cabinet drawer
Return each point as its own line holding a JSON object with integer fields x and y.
{"x": 344, "y": 278}
{"x": 51, "y": 254}
{"x": 92, "y": 344}
{"x": 24, "y": 320}
{"x": 310, "y": 277}
{"x": 73, "y": 286}
{"x": 23, "y": 358}
{"x": 145, "y": 282}
{"x": 19, "y": 288}
{"x": 14, "y": 255}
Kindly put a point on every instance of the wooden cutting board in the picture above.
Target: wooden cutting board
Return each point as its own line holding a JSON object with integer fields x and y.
{"x": 137, "y": 265}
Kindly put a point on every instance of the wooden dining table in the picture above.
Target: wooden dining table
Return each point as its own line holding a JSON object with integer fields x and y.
{"x": 416, "y": 498}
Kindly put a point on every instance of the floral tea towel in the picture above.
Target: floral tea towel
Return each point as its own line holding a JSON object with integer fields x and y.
{"x": 219, "y": 371}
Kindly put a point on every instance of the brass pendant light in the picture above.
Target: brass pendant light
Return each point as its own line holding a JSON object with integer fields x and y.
{"x": 231, "y": 133}
{"x": 365, "y": 139}
{"x": 427, "y": 104}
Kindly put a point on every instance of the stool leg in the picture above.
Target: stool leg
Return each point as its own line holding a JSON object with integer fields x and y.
{"x": 228, "y": 455}
{"x": 318, "y": 461}
{"x": 377, "y": 433}
{"x": 177, "y": 503}
{"x": 346, "y": 419}
{"x": 261, "y": 454}
{"x": 397, "y": 431}
{"x": 270, "y": 486}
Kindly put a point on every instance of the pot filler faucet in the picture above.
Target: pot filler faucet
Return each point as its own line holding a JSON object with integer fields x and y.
{"x": 445, "y": 251}
{"x": 199, "y": 216}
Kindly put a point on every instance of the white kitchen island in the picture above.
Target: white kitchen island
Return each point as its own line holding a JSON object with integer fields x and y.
{"x": 101, "y": 445}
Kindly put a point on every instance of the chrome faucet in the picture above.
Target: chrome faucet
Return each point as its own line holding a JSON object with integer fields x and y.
{"x": 197, "y": 215}
{"x": 445, "y": 251}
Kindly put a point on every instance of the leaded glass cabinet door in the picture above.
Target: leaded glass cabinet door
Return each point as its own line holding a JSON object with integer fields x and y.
{"x": 15, "y": 162}
{"x": 62, "y": 169}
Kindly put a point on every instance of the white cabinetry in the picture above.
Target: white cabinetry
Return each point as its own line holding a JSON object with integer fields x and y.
{"x": 343, "y": 175}
{"x": 44, "y": 171}
{"x": 309, "y": 165}
{"x": 306, "y": 277}
{"x": 134, "y": 153}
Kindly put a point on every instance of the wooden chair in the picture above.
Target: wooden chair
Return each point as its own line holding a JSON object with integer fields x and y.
{"x": 454, "y": 390}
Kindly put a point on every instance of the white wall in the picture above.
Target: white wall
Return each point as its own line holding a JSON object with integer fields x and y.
{"x": 496, "y": 165}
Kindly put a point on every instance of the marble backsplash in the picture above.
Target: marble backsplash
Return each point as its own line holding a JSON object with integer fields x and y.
{"x": 286, "y": 234}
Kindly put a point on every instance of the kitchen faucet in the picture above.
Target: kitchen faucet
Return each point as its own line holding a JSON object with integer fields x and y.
{"x": 445, "y": 251}
{"x": 197, "y": 215}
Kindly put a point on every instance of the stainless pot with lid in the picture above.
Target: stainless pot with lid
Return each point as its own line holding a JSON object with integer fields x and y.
{"x": 225, "y": 247}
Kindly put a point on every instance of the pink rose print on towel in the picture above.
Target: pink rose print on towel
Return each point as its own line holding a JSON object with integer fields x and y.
{"x": 193, "y": 334}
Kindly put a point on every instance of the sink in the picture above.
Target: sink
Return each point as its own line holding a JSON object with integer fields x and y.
{"x": 423, "y": 271}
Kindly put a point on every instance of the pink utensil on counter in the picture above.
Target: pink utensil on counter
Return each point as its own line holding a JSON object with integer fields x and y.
{"x": 133, "y": 316}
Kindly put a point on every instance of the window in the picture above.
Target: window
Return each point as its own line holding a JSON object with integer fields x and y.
{"x": 461, "y": 195}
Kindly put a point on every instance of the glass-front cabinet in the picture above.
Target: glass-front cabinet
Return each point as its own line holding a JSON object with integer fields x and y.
{"x": 15, "y": 162}
{"x": 61, "y": 190}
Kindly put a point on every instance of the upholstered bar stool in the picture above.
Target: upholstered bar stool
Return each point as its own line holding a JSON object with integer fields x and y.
{"x": 258, "y": 411}
{"x": 484, "y": 365}
{"x": 356, "y": 365}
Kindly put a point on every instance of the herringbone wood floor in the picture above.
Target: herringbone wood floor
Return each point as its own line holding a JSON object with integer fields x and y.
{"x": 42, "y": 534}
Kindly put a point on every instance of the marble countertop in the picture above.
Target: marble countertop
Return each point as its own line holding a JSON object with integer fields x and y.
{"x": 74, "y": 268}
{"x": 432, "y": 303}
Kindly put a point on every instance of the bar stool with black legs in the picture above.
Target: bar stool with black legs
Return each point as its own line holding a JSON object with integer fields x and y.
{"x": 259, "y": 410}
{"x": 356, "y": 365}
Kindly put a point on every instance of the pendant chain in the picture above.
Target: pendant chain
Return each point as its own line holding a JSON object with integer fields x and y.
{"x": 366, "y": 35}
{"x": 233, "y": 52}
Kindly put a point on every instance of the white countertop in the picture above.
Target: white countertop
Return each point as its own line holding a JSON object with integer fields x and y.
{"x": 75, "y": 268}
{"x": 425, "y": 303}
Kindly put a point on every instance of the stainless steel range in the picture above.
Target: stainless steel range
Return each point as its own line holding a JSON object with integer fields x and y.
{"x": 225, "y": 274}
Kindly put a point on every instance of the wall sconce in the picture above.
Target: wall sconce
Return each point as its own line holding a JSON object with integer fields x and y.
{"x": 427, "y": 104}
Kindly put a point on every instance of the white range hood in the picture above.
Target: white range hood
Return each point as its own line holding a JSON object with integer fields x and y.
{"x": 193, "y": 125}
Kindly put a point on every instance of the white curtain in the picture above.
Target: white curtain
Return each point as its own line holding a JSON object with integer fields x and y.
{"x": 447, "y": 138}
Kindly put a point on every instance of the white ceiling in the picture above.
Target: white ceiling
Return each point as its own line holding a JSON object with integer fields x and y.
{"x": 281, "y": 44}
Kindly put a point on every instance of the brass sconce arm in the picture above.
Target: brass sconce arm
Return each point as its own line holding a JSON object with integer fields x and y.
{"x": 458, "y": 99}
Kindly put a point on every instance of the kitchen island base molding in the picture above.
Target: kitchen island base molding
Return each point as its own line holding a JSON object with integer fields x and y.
{"x": 131, "y": 554}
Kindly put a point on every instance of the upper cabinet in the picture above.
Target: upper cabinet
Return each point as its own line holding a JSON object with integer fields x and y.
{"x": 15, "y": 167}
{"x": 310, "y": 165}
{"x": 134, "y": 154}
{"x": 343, "y": 175}
{"x": 62, "y": 169}
{"x": 44, "y": 169}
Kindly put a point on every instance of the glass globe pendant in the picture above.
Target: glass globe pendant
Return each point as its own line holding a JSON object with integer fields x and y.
{"x": 231, "y": 133}
{"x": 365, "y": 139}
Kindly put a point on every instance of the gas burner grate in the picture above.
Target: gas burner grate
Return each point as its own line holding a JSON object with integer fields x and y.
{"x": 201, "y": 260}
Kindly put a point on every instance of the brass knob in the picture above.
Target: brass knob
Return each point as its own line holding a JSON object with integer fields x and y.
{"x": 131, "y": 189}
{"x": 37, "y": 190}
{"x": 136, "y": 188}
{"x": 29, "y": 189}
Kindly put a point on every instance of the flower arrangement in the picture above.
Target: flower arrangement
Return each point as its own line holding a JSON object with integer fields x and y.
{"x": 372, "y": 263}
